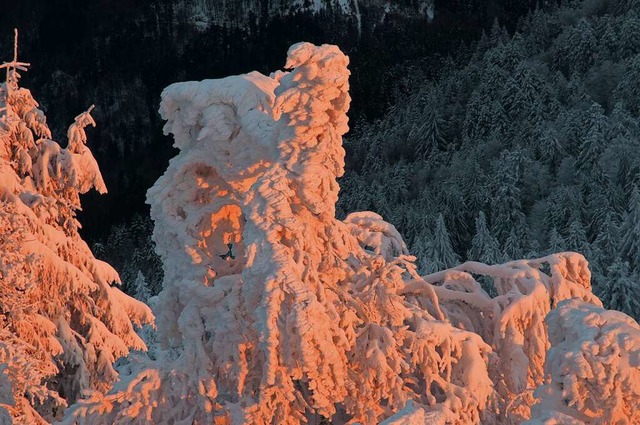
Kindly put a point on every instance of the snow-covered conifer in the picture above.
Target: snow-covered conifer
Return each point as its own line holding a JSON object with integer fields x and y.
{"x": 439, "y": 251}
{"x": 621, "y": 289}
{"x": 592, "y": 368}
{"x": 62, "y": 324}
{"x": 630, "y": 230}
{"x": 556, "y": 242}
{"x": 577, "y": 238}
{"x": 484, "y": 247}
{"x": 141, "y": 289}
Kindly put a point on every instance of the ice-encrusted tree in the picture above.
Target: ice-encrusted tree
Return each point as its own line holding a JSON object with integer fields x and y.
{"x": 62, "y": 324}
{"x": 275, "y": 312}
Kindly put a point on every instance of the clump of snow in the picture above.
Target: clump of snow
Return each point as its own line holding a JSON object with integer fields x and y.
{"x": 62, "y": 324}
{"x": 593, "y": 366}
{"x": 274, "y": 311}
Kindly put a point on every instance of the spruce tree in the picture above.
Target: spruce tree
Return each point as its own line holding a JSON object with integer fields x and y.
{"x": 62, "y": 323}
{"x": 556, "y": 242}
{"x": 577, "y": 238}
{"x": 621, "y": 289}
{"x": 484, "y": 247}
{"x": 513, "y": 246}
{"x": 630, "y": 245}
{"x": 141, "y": 288}
{"x": 440, "y": 253}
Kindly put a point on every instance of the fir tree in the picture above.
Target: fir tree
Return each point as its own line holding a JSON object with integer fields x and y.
{"x": 594, "y": 141}
{"x": 605, "y": 247}
{"x": 62, "y": 324}
{"x": 513, "y": 245}
{"x": 556, "y": 242}
{"x": 440, "y": 253}
{"x": 577, "y": 238}
{"x": 484, "y": 247}
{"x": 621, "y": 289}
{"x": 630, "y": 245}
{"x": 141, "y": 289}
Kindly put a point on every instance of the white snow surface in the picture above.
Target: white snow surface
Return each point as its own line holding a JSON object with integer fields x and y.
{"x": 273, "y": 311}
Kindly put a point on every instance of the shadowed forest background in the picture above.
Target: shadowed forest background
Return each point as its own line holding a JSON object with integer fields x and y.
{"x": 494, "y": 131}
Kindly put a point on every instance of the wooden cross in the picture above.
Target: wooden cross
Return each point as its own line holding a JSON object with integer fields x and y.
{"x": 14, "y": 64}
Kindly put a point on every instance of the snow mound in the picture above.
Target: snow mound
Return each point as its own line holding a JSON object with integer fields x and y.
{"x": 593, "y": 365}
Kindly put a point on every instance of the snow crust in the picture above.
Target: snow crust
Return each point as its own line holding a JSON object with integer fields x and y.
{"x": 274, "y": 311}
{"x": 62, "y": 324}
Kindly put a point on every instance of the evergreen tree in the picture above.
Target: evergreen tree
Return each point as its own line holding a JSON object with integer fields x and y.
{"x": 141, "y": 288}
{"x": 577, "y": 238}
{"x": 621, "y": 289}
{"x": 630, "y": 245}
{"x": 432, "y": 131}
{"x": 606, "y": 243}
{"x": 440, "y": 253}
{"x": 506, "y": 207}
{"x": 62, "y": 324}
{"x": 556, "y": 242}
{"x": 513, "y": 246}
{"x": 484, "y": 247}
{"x": 593, "y": 143}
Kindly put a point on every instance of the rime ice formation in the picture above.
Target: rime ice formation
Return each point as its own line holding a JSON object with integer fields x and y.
{"x": 275, "y": 312}
{"x": 62, "y": 324}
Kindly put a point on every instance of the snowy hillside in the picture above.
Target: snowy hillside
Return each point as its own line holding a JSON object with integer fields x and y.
{"x": 275, "y": 312}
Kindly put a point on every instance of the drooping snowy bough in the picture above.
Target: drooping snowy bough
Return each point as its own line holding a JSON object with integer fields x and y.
{"x": 62, "y": 324}
{"x": 275, "y": 312}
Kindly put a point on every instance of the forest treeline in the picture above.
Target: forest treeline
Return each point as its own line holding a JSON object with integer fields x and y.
{"x": 528, "y": 149}
{"x": 119, "y": 55}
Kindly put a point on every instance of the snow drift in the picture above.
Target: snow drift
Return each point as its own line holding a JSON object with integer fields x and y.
{"x": 275, "y": 312}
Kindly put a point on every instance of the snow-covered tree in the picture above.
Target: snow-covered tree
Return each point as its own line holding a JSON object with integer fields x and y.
{"x": 506, "y": 208}
{"x": 484, "y": 247}
{"x": 62, "y": 324}
{"x": 439, "y": 250}
{"x": 630, "y": 230}
{"x": 621, "y": 289}
{"x": 577, "y": 238}
{"x": 313, "y": 318}
{"x": 592, "y": 368}
{"x": 512, "y": 248}
{"x": 141, "y": 288}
